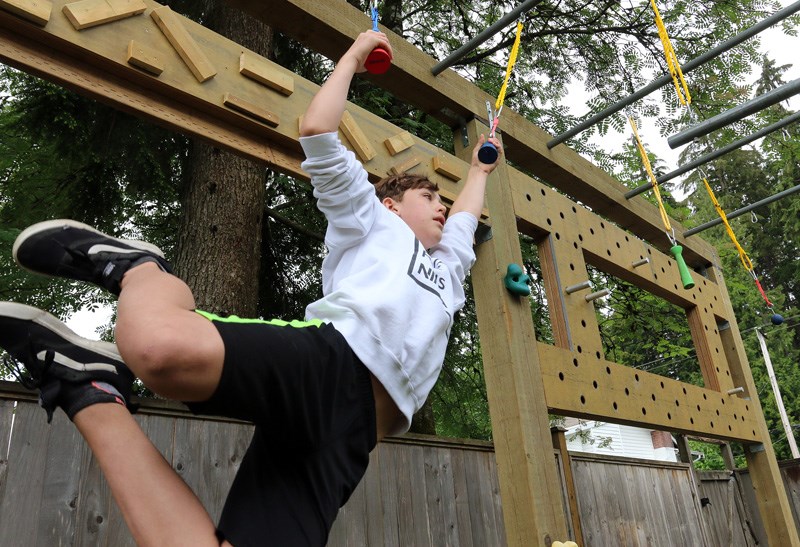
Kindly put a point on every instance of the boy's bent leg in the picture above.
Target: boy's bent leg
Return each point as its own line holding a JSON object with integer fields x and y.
{"x": 176, "y": 352}
{"x": 89, "y": 381}
{"x": 171, "y": 349}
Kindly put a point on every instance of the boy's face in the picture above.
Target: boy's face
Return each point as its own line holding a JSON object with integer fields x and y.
{"x": 423, "y": 211}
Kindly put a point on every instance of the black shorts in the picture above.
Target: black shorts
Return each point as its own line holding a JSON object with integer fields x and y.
{"x": 311, "y": 401}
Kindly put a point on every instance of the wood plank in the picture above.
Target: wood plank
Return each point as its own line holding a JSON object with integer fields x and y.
{"x": 398, "y": 143}
{"x": 249, "y": 109}
{"x": 374, "y": 496}
{"x": 258, "y": 69}
{"x": 356, "y": 137}
{"x": 405, "y": 166}
{"x": 161, "y": 106}
{"x": 35, "y": 11}
{"x": 184, "y": 44}
{"x": 91, "y": 13}
{"x": 391, "y": 501}
{"x": 61, "y": 483}
{"x": 514, "y": 381}
{"x": 447, "y": 484}
{"x": 419, "y": 495}
{"x": 434, "y": 496}
{"x": 96, "y": 505}
{"x": 19, "y": 511}
{"x": 448, "y": 168}
{"x": 146, "y": 58}
{"x": 461, "y": 499}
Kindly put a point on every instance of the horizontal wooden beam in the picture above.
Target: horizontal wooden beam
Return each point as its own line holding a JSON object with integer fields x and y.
{"x": 330, "y": 27}
{"x": 584, "y": 386}
{"x": 252, "y": 116}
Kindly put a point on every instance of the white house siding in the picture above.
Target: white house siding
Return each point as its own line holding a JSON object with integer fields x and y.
{"x": 627, "y": 441}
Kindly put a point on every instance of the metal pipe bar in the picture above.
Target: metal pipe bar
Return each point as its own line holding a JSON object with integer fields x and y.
{"x": 666, "y": 78}
{"x": 595, "y": 295}
{"x": 454, "y": 57}
{"x": 579, "y": 287}
{"x": 743, "y": 210}
{"x": 735, "y": 114}
{"x": 702, "y": 160}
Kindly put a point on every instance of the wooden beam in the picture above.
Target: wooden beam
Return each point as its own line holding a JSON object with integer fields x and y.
{"x": 330, "y": 28}
{"x": 93, "y": 64}
{"x": 770, "y": 491}
{"x": 531, "y": 493}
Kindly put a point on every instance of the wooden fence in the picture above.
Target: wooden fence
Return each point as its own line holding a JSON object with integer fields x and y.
{"x": 418, "y": 491}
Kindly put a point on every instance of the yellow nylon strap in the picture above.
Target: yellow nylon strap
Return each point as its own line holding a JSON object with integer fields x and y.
{"x": 748, "y": 265}
{"x": 672, "y": 60}
{"x": 512, "y": 59}
{"x": 651, "y": 176}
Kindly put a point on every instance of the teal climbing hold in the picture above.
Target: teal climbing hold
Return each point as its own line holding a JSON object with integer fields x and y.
{"x": 516, "y": 280}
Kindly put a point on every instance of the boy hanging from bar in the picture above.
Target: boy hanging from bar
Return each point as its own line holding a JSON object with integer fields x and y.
{"x": 321, "y": 392}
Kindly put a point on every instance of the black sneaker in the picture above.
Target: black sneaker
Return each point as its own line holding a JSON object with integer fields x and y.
{"x": 69, "y": 371}
{"x": 65, "y": 248}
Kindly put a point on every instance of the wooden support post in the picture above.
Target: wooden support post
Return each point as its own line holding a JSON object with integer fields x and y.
{"x": 773, "y": 503}
{"x": 529, "y": 486}
{"x": 560, "y": 444}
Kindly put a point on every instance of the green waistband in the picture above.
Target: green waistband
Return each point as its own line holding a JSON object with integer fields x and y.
{"x": 276, "y": 322}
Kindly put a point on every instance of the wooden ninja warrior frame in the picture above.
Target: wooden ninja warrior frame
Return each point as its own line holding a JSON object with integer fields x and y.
{"x": 145, "y": 59}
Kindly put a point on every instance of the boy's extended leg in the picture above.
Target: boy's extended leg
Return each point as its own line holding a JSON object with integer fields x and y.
{"x": 89, "y": 381}
{"x": 176, "y": 352}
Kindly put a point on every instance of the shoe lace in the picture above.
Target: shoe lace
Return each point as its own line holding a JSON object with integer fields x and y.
{"x": 22, "y": 373}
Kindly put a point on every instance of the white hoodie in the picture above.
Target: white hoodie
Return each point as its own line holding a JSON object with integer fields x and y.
{"x": 392, "y": 300}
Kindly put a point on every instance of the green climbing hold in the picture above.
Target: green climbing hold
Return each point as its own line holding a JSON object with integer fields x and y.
{"x": 516, "y": 281}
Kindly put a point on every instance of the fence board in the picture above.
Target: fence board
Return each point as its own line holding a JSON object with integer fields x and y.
{"x": 19, "y": 510}
{"x": 461, "y": 496}
{"x": 62, "y": 480}
{"x": 6, "y": 418}
{"x": 635, "y": 503}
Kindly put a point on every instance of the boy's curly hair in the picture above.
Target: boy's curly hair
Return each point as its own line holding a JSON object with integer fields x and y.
{"x": 395, "y": 186}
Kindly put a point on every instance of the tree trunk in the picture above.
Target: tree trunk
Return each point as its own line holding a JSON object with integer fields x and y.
{"x": 220, "y": 234}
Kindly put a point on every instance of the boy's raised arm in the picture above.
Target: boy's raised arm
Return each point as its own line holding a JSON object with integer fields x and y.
{"x": 470, "y": 199}
{"x": 325, "y": 111}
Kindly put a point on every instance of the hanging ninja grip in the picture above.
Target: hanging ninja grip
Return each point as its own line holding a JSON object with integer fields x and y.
{"x": 686, "y": 276}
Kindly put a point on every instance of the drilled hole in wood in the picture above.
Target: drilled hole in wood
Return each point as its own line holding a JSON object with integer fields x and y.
{"x": 583, "y": 400}
{"x": 561, "y": 376}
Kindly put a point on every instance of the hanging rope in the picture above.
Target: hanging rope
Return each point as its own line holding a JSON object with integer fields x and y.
{"x": 501, "y": 97}
{"x": 653, "y": 180}
{"x": 676, "y": 250}
{"x": 488, "y": 152}
{"x": 674, "y": 66}
{"x": 746, "y": 262}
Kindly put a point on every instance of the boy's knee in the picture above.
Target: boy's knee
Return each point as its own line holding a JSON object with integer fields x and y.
{"x": 153, "y": 354}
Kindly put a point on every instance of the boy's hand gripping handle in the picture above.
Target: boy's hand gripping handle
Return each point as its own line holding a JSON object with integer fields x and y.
{"x": 378, "y": 61}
